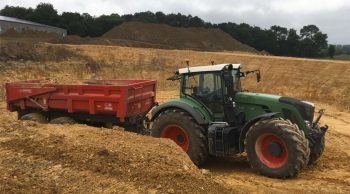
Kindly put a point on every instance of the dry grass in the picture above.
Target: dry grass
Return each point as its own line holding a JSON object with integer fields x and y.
{"x": 322, "y": 81}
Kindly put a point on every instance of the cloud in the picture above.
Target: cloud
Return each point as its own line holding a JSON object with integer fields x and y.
{"x": 330, "y": 16}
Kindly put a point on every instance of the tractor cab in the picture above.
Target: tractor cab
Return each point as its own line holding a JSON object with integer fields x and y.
{"x": 214, "y": 87}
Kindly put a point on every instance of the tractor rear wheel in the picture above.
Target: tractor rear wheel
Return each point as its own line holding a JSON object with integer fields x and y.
{"x": 180, "y": 127}
{"x": 63, "y": 120}
{"x": 276, "y": 148}
{"x": 37, "y": 117}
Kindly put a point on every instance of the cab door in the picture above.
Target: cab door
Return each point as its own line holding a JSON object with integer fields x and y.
{"x": 206, "y": 87}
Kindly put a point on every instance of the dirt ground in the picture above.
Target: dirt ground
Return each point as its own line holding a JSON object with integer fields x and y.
{"x": 80, "y": 159}
{"x": 331, "y": 174}
{"x": 42, "y": 158}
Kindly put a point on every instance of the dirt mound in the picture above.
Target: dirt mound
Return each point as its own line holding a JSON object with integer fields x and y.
{"x": 49, "y": 158}
{"x": 71, "y": 39}
{"x": 174, "y": 37}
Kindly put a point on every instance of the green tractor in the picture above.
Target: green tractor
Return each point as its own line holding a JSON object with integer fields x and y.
{"x": 214, "y": 116}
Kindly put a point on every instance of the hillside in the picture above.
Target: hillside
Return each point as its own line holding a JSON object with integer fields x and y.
{"x": 176, "y": 37}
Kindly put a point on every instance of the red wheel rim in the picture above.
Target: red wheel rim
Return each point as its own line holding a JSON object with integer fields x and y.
{"x": 177, "y": 134}
{"x": 271, "y": 150}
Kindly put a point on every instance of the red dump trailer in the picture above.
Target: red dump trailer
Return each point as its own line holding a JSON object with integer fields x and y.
{"x": 119, "y": 102}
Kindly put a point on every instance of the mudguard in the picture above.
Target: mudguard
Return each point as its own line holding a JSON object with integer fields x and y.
{"x": 251, "y": 123}
{"x": 196, "y": 114}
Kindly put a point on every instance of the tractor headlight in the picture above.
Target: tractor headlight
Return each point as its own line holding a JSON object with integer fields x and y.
{"x": 309, "y": 109}
{"x": 308, "y": 124}
{"x": 309, "y": 103}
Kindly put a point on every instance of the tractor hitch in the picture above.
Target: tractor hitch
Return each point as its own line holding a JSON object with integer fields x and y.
{"x": 317, "y": 133}
{"x": 320, "y": 114}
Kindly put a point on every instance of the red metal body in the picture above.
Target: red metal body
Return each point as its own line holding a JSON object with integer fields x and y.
{"x": 122, "y": 98}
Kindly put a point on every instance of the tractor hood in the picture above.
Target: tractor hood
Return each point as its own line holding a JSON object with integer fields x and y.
{"x": 275, "y": 103}
{"x": 255, "y": 98}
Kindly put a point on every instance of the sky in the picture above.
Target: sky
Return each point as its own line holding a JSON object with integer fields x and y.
{"x": 331, "y": 16}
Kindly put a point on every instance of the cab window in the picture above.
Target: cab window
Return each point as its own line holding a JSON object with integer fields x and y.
{"x": 207, "y": 88}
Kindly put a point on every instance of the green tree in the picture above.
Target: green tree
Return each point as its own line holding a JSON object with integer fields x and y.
{"x": 281, "y": 35}
{"x": 74, "y": 23}
{"x": 313, "y": 41}
{"x": 46, "y": 14}
{"x": 160, "y": 17}
{"x": 147, "y": 17}
{"x": 293, "y": 43}
{"x": 17, "y": 12}
{"x": 104, "y": 23}
{"x": 264, "y": 40}
{"x": 195, "y": 22}
{"x": 280, "y": 32}
{"x": 331, "y": 51}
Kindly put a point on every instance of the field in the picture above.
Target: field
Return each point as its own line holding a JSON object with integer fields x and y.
{"x": 81, "y": 159}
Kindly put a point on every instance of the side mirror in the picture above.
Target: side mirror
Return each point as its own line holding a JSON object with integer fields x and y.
{"x": 258, "y": 76}
{"x": 176, "y": 76}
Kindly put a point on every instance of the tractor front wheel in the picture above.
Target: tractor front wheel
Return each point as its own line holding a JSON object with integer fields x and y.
{"x": 276, "y": 148}
{"x": 180, "y": 127}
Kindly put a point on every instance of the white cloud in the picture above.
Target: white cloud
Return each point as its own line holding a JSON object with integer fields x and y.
{"x": 307, "y": 6}
{"x": 332, "y": 16}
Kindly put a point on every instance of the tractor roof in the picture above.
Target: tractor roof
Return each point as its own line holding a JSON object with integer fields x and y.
{"x": 217, "y": 67}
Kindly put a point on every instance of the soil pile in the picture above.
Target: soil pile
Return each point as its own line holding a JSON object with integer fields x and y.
{"x": 71, "y": 39}
{"x": 175, "y": 37}
{"x": 49, "y": 158}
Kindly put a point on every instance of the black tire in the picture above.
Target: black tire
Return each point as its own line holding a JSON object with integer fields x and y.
{"x": 63, "y": 120}
{"x": 276, "y": 148}
{"x": 316, "y": 149}
{"x": 108, "y": 125}
{"x": 196, "y": 138}
{"x": 37, "y": 117}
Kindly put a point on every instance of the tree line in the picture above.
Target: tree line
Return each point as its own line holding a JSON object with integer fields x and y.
{"x": 309, "y": 41}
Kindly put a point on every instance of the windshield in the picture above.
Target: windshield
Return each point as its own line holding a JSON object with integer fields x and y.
{"x": 206, "y": 88}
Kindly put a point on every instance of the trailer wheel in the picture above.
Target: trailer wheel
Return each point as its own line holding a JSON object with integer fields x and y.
{"x": 276, "y": 148}
{"x": 63, "y": 120}
{"x": 184, "y": 131}
{"x": 37, "y": 117}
